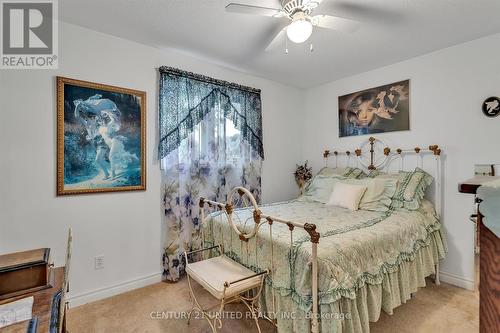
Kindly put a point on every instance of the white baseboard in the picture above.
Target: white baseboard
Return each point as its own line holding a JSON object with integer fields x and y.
{"x": 120, "y": 288}
{"x": 456, "y": 280}
{"x": 101, "y": 293}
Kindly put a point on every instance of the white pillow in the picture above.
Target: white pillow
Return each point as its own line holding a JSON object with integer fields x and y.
{"x": 346, "y": 196}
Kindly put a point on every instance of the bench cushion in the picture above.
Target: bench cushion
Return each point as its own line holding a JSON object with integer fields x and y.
{"x": 213, "y": 272}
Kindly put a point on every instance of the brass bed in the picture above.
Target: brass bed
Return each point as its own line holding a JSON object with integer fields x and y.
{"x": 327, "y": 269}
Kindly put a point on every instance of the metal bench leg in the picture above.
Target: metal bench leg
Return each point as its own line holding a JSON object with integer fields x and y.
{"x": 198, "y": 307}
{"x": 254, "y": 314}
{"x": 251, "y": 301}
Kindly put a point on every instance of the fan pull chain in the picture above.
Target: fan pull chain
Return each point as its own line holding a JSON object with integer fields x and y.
{"x": 311, "y": 41}
{"x": 286, "y": 44}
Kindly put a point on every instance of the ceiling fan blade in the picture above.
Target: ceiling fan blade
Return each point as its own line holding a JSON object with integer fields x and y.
{"x": 253, "y": 10}
{"x": 335, "y": 23}
{"x": 364, "y": 11}
{"x": 277, "y": 40}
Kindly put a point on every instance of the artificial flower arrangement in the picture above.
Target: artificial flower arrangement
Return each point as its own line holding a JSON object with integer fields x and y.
{"x": 302, "y": 174}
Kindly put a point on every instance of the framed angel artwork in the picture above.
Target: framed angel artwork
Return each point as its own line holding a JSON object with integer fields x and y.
{"x": 375, "y": 110}
{"x": 101, "y": 138}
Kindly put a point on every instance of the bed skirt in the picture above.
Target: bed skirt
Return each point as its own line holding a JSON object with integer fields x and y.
{"x": 354, "y": 315}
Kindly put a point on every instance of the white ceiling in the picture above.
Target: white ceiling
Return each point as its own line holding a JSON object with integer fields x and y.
{"x": 391, "y": 31}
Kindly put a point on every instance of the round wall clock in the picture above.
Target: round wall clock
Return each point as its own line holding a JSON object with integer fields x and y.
{"x": 491, "y": 107}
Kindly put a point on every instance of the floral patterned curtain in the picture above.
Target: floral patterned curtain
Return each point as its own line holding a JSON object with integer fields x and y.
{"x": 208, "y": 155}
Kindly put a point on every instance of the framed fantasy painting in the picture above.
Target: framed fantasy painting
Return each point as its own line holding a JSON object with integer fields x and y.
{"x": 101, "y": 138}
{"x": 376, "y": 110}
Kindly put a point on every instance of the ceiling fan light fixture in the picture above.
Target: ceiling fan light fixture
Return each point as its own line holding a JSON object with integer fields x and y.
{"x": 299, "y": 30}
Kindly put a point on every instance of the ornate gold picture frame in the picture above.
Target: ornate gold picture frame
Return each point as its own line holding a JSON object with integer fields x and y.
{"x": 101, "y": 138}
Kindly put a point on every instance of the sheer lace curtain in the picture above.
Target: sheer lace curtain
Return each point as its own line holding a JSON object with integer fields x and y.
{"x": 213, "y": 157}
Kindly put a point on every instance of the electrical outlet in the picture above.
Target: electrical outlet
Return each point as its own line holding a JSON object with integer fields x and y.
{"x": 99, "y": 262}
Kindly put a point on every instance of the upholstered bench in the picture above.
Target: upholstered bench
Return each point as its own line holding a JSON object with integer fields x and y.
{"x": 227, "y": 281}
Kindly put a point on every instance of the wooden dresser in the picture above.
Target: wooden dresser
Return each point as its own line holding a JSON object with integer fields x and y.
{"x": 23, "y": 272}
{"x": 42, "y": 306}
{"x": 489, "y": 263}
{"x": 489, "y": 281}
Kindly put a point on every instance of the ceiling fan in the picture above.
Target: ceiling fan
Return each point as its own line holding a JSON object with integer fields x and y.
{"x": 300, "y": 13}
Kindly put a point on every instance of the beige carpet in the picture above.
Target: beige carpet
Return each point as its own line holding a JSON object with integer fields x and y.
{"x": 434, "y": 309}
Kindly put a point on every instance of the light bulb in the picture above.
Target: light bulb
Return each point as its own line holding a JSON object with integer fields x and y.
{"x": 299, "y": 31}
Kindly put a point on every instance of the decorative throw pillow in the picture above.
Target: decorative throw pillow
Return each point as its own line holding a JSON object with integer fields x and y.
{"x": 346, "y": 196}
{"x": 355, "y": 173}
{"x": 411, "y": 189}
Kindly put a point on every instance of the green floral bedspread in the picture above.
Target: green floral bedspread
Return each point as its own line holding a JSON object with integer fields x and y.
{"x": 355, "y": 248}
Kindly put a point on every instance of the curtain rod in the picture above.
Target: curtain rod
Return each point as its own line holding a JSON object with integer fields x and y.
{"x": 207, "y": 79}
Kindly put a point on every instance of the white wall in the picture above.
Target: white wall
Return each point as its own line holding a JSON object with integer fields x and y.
{"x": 447, "y": 90}
{"x": 124, "y": 227}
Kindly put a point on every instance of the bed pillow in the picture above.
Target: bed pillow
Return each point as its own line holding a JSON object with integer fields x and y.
{"x": 378, "y": 195}
{"x": 355, "y": 173}
{"x": 320, "y": 188}
{"x": 346, "y": 196}
{"x": 327, "y": 171}
{"x": 375, "y": 173}
{"x": 396, "y": 176}
{"x": 411, "y": 189}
